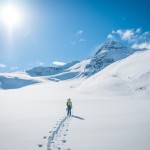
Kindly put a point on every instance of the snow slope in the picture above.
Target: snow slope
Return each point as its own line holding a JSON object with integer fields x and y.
{"x": 131, "y": 74}
{"x": 16, "y": 80}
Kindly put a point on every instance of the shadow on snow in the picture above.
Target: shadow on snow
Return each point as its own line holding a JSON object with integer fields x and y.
{"x": 77, "y": 117}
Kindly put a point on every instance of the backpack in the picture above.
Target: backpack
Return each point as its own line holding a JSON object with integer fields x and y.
{"x": 69, "y": 103}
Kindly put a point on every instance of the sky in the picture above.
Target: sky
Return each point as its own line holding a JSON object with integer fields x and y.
{"x": 55, "y": 32}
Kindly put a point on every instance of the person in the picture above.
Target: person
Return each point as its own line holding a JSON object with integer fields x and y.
{"x": 69, "y": 107}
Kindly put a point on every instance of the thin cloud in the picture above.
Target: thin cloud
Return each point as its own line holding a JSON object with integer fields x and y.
{"x": 39, "y": 63}
{"x": 138, "y": 30}
{"x": 79, "y": 32}
{"x": 135, "y": 37}
{"x": 78, "y": 39}
{"x": 144, "y": 45}
{"x": 58, "y": 63}
{"x": 2, "y": 66}
{"x": 110, "y": 37}
{"x": 125, "y": 34}
{"x": 82, "y": 40}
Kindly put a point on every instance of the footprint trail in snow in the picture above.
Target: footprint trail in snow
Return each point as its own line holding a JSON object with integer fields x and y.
{"x": 57, "y": 138}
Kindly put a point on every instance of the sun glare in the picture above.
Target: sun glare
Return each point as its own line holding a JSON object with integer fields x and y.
{"x": 10, "y": 16}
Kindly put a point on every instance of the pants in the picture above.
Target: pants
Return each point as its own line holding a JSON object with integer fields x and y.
{"x": 69, "y": 111}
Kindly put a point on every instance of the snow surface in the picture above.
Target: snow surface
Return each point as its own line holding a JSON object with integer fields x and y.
{"x": 110, "y": 109}
{"x": 125, "y": 76}
{"x": 16, "y": 80}
{"x": 30, "y": 114}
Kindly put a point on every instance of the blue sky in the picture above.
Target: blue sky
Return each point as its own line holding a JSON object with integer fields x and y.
{"x": 67, "y": 30}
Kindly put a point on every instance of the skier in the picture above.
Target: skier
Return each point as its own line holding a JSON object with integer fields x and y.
{"x": 69, "y": 107}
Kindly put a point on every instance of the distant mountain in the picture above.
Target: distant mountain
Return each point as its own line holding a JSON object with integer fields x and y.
{"x": 107, "y": 54}
{"x": 47, "y": 71}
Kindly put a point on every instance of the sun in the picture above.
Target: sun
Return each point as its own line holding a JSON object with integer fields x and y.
{"x": 10, "y": 16}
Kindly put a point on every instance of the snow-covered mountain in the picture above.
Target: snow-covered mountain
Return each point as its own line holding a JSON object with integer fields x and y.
{"x": 106, "y": 54}
{"x": 47, "y": 71}
{"x": 128, "y": 75}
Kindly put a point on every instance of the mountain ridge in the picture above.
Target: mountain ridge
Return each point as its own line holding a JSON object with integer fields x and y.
{"x": 108, "y": 53}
